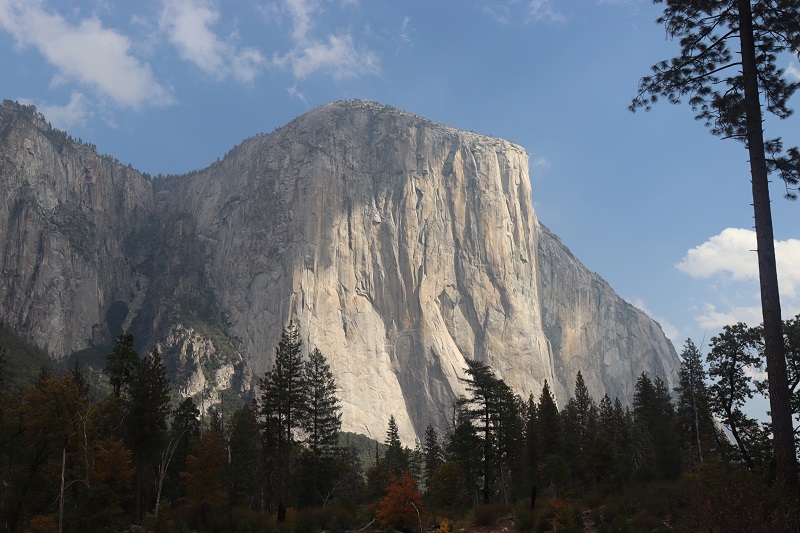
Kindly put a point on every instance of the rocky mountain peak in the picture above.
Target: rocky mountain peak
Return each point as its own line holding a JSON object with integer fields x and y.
{"x": 399, "y": 246}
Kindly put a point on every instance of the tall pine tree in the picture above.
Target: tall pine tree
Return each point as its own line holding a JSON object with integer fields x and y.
{"x": 283, "y": 406}
{"x": 146, "y": 420}
{"x": 693, "y": 413}
{"x": 482, "y": 386}
{"x": 323, "y": 417}
{"x": 728, "y": 61}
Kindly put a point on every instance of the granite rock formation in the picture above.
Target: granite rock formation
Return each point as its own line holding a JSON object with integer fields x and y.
{"x": 399, "y": 246}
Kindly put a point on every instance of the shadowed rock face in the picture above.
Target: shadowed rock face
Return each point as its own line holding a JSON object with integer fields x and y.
{"x": 66, "y": 216}
{"x": 399, "y": 246}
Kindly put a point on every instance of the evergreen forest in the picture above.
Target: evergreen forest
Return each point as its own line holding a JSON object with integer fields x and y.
{"x": 132, "y": 456}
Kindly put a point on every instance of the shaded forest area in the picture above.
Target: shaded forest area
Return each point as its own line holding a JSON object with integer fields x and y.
{"x": 75, "y": 458}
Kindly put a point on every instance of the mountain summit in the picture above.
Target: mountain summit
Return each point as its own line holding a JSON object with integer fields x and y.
{"x": 400, "y": 248}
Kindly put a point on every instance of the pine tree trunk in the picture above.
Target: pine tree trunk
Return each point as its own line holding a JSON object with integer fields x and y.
{"x": 783, "y": 435}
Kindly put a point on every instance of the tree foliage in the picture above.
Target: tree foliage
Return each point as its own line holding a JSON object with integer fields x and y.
{"x": 693, "y": 412}
{"x": 402, "y": 507}
{"x": 733, "y": 355}
{"x": 122, "y": 363}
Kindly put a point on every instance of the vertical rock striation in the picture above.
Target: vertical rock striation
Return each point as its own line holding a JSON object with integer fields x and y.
{"x": 400, "y": 247}
{"x": 66, "y": 217}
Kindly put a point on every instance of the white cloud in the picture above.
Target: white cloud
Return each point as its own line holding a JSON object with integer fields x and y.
{"x": 294, "y": 93}
{"x": 793, "y": 71}
{"x": 543, "y": 10}
{"x": 538, "y": 166}
{"x": 728, "y": 260}
{"x": 730, "y": 252}
{"x": 337, "y": 55}
{"x": 302, "y": 13}
{"x": 188, "y": 24}
{"x": 69, "y": 115}
{"x": 714, "y": 320}
{"x": 405, "y": 33}
{"x": 531, "y": 11}
{"x": 87, "y": 53}
{"x": 500, "y": 13}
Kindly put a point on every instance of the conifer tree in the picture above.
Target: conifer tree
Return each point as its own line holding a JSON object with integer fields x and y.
{"x": 530, "y": 456}
{"x": 693, "y": 413}
{"x": 395, "y": 457}
{"x": 322, "y": 419}
{"x": 184, "y": 433}
{"x": 728, "y": 60}
{"x": 624, "y": 439}
{"x": 122, "y": 363}
{"x": 587, "y": 413}
{"x": 655, "y": 445}
{"x": 644, "y": 415}
{"x": 551, "y": 441}
{"x": 606, "y": 418}
{"x": 283, "y": 406}
{"x": 287, "y": 384}
{"x": 508, "y": 427}
{"x": 482, "y": 385}
{"x": 432, "y": 453}
{"x": 463, "y": 447}
{"x": 668, "y": 464}
{"x": 244, "y": 456}
{"x": 148, "y": 410}
{"x": 579, "y": 423}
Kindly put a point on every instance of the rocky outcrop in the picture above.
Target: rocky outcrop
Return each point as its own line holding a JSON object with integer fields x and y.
{"x": 203, "y": 363}
{"x": 592, "y": 330}
{"x": 400, "y": 247}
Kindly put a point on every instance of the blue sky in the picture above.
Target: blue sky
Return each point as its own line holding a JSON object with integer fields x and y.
{"x": 650, "y": 201}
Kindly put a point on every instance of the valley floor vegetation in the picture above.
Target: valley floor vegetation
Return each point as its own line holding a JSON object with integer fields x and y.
{"x": 76, "y": 459}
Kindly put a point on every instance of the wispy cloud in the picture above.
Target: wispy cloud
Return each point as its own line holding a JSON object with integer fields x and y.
{"x": 499, "y": 12}
{"x": 713, "y": 320}
{"x": 294, "y": 93}
{"x": 538, "y": 166}
{"x": 543, "y": 11}
{"x": 406, "y": 31}
{"x": 67, "y": 116}
{"x": 728, "y": 260}
{"x": 189, "y": 23}
{"x": 336, "y": 55}
{"x": 88, "y": 53}
{"x": 530, "y": 11}
{"x": 793, "y": 71}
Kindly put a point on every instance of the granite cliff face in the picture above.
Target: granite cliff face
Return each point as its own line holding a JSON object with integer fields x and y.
{"x": 400, "y": 247}
{"x": 66, "y": 217}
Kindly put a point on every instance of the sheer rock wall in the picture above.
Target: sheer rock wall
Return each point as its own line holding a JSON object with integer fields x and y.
{"x": 399, "y": 246}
